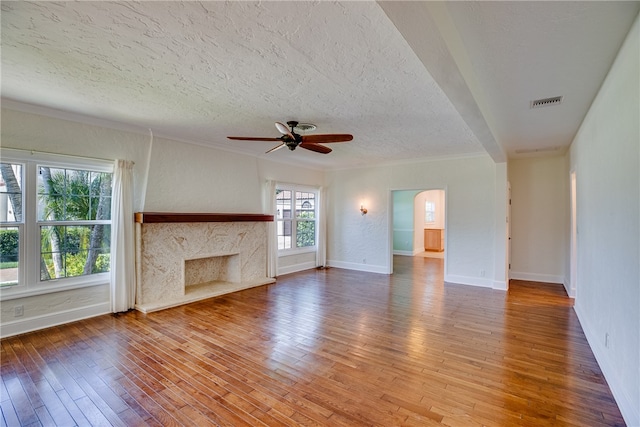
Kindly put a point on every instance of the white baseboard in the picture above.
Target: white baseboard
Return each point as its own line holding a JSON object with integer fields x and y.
{"x": 296, "y": 267}
{"x": 500, "y": 285}
{"x": 22, "y": 326}
{"x": 359, "y": 267}
{"x": 403, "y": 253}
{"x": 628, "y": 408}
{"x": 471, "y": 281}
{"x": 567, "y": 287}
{"x": 535, "y": 277}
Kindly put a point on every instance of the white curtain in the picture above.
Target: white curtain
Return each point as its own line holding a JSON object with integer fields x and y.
{"x": 123, "y": 291}
{"x": 321, "y": 255}
{"x": 269, "y": 204}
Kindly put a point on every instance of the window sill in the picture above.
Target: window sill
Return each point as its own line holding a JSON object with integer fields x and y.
{"x": 17, "y": 292}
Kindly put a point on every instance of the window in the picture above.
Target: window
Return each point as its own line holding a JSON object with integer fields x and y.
{"x": 296, "y": 218}
{"x": 55, "y": 219}
{"x": 430, "y": 212}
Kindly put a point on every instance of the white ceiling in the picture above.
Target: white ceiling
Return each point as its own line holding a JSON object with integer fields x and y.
{"x": 408, "y": 79}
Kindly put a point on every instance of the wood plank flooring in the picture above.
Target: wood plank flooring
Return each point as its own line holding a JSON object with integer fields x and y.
{"x": 319, "y": 348}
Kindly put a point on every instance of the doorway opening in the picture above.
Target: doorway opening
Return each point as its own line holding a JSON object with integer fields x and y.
{"x": 419, "y": 218}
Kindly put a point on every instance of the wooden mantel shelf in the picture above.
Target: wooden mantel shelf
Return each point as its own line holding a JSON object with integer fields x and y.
{"x": 169, "y": 217}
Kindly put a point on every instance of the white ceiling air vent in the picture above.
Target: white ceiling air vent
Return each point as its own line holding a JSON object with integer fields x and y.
{"x": 546, "y": 102}
{"x": 537, "y": 150}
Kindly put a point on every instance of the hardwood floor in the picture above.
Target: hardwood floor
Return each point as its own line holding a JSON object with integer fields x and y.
{"x": 324, "y": 347}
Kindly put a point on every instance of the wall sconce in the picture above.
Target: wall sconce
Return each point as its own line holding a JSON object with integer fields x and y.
{"x": 363, "y": 210}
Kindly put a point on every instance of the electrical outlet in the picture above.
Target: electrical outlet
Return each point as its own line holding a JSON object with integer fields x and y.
{"x": 607, "y": 340}
{"x": 364, "y": 260}
{"x": 18, "y": 311}
{"x": 481, "y": 273}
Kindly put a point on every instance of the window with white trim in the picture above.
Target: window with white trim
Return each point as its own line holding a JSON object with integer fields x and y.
{"x": 429, "y": 212}
{"x": 296, "y": 218}
{"x": 55, "y": 222}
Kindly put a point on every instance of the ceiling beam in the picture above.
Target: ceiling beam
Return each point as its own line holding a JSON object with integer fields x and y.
{"x": 431, "y": 34}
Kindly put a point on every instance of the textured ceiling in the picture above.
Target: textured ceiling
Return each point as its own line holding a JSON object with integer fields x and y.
{"x": 199, "y": 71}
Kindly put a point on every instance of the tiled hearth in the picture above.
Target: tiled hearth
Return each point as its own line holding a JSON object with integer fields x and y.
{"x": 181, "y": 262}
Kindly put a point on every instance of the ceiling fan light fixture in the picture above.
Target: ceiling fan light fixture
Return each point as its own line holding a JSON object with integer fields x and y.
{"x": 306, "y": 127}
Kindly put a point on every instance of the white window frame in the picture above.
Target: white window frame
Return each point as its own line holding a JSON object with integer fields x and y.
{"x": 307, "y": 249}
{"x": 427, "y": 210}
{"x": 29, "y": 282}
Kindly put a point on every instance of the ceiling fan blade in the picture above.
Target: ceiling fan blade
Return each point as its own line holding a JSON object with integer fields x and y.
{"x": 326, "y": 138}
{"x": 315, "y": 147}
{"x": 252, "y": 138}
{"x": 284, "y": 130}
{"x": 277, "y": 147}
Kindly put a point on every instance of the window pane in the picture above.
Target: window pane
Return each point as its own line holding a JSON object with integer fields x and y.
{"x": 284, "y": 234}
{"x": 10, "y": 192}
{"x": 430, "y": 212}
{"x": 70, "y": 251}
{"x": 283, "y": 204}
{"x": 73, "y": 195}
{"x": 305, "y": 204}
{"x": 305, "y": 234}
{"x": 9, "y": 255}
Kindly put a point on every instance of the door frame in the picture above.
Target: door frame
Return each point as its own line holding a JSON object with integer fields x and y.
{"x": 572, "y": 289}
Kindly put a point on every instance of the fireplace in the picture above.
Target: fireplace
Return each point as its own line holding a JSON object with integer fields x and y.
{"x": 212, "y": 269}
{"x": 181, "y": 258}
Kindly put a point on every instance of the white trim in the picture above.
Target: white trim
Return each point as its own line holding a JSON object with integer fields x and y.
{"x": 629, "y": 409}
{"x": 381, "y": 269}
{"x": 296, "y": 267}
{"x": 405, "y": 253}
{"x": 48, "y": 320}
{"x": 468, "y": 280}
{"x": 500, "y": 285}
{"x": 536, "y": 277}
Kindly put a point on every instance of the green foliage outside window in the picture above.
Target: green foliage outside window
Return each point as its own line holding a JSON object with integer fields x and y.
{"x": 305, "y": 231}
{"x": 9, "y": 245}
{"x": 74, "y": 195}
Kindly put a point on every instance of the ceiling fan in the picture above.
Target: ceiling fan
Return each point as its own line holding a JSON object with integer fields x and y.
{"x": 292, "y": 140}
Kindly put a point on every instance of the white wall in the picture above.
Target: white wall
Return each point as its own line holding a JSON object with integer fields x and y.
{"x": 606, "y": 157}
{"x": 356, "y": 241}
{"x": 192, "y": 178}
{"x": 539, "y": 193}
{"x": 472, "y": 209}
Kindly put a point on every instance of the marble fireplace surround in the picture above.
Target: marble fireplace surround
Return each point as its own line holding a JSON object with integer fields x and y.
{"x": 186, "y": 257}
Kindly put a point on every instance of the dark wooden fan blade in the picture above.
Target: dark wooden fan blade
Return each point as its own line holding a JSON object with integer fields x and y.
{"x": 277, "y": 147}
{"x": 326, "y": 138}
{"x": 315, "y": 147}
{"x": 251, "y": 138}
